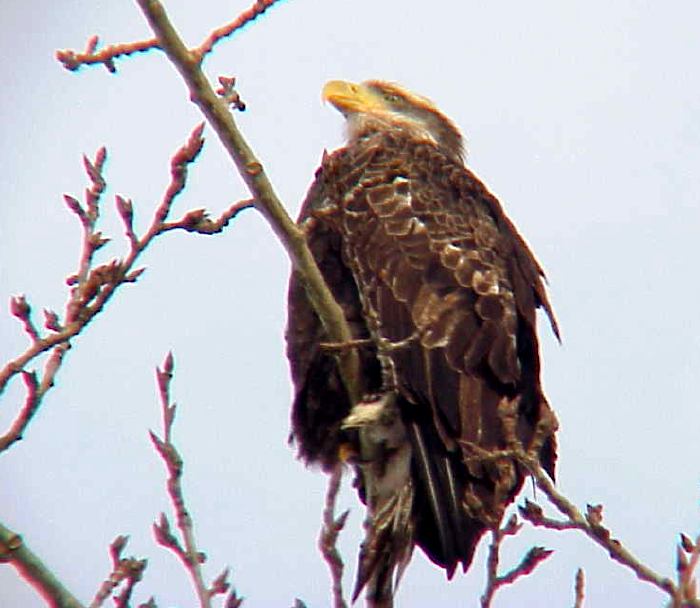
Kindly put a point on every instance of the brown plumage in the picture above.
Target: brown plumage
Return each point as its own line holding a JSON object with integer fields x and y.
{"x": 443, "y": 290}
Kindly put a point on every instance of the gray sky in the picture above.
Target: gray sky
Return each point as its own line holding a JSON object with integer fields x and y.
{"x": 583, "y": 117}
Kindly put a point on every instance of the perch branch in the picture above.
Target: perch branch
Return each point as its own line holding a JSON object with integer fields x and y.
{"x": 31, "y": 568}
{"x": 266, "y": 200}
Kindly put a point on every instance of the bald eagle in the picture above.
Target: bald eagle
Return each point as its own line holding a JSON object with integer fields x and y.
{"x": 440, "y": 292}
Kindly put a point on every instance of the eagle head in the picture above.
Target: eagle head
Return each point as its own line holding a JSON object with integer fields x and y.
{"x": 376, "y": 105}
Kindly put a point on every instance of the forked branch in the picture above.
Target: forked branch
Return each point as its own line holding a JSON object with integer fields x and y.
{"x": 91, "y": 285}
{"x": 591, "y": 523}
{"x": 494, "y": 581}
{"x": 126, "y": 572}
{"x": 74, "y": 60}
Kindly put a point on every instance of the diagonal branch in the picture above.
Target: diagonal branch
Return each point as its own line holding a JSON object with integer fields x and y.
{"x": 590, "y": 524}
{"x": 593, "y": 529}
{"x": 228, "y": 29}
{"x": 266, "y": 200}
{"x": 31, "y": 568}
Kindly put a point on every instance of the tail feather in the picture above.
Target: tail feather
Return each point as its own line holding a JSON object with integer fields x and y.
{"x": 432, "y": 487}
{"x": 443, "y": 529}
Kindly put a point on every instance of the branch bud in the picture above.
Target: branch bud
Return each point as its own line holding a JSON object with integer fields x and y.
{"x": 19, "y": 307}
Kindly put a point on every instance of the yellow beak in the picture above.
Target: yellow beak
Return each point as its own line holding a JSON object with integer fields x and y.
{"x": 349, "y": 97}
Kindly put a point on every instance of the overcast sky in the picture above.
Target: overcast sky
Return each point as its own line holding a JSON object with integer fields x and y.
{"x": 582, "y": 116}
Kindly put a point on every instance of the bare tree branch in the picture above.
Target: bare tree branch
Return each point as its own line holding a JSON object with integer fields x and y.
{"x": 228, "y": 29}
{"x": 189, "y": 555}
{"x": 93, "y": 286}
{"x": 187, "y": 551}
{"x": 73, "y": 60}
{"x": 590, "y": 524}
{"x": 329, "y": 535}
{"x": 688, "y": 558}
{"x": 266, "y": 201}
{"x": 127, "y": 570}
{"x": 198, "y": 220}
{"x": 533, "y": 558}
{"x": 31, "y": 568}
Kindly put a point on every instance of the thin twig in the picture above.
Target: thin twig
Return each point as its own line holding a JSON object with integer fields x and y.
{"x": 189, "y": 555}
{"x": 20, "y": 308}
{"x": 533, "y": 558}
{"x": 228, "y": 29}
{"x": 580, "y": 588}
{"x": 187, "y": 551}
{"x": 329, "y": 536}
{"x": 73, "y": 60}
{"x": 688, "y": 558}
{"x": 126, "y": 570}
{"x": 598, "y": 533}
{"x": 92, "y": 287}
{"x": 199, "y": 221}
{"x": 339, "y": 346}
{"x": 14, "y": 551}
{"x": 591, "y": 524}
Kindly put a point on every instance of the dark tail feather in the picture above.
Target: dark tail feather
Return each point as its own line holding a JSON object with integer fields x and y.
{"x": 434, "y": 492}
{"x": 443, "y": 529}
